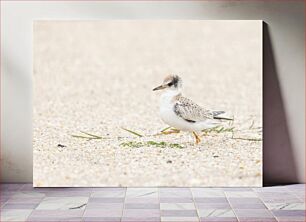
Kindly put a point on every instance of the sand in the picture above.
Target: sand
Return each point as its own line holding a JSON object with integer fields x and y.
{"x": 98, "y": 76}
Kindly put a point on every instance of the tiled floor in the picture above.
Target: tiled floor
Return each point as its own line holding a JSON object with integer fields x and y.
{"x": 21, "y": 202}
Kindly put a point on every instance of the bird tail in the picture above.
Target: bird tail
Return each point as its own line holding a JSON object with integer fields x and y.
{"x": 221, "y": 115}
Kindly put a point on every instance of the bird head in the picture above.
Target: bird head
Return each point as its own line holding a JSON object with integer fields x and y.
{"x": 171, "y": 82}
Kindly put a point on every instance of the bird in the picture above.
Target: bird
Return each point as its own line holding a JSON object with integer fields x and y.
{"x": 182, "y": 113}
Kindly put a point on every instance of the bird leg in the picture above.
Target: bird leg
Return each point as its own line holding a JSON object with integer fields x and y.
{"x": 170, "y": 131}
{"x": 198, "y": 139}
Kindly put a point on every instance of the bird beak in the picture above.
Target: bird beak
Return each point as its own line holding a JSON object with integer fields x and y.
{"x": 160, "y": 87}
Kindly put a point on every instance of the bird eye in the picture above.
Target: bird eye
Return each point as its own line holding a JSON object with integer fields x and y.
{"x": 170, "y": 84}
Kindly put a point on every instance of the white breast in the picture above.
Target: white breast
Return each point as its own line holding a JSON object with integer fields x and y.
{"x": 167, "y": 113}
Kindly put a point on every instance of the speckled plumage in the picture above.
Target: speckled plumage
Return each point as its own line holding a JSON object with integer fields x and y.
{"x": 190, "y": 111}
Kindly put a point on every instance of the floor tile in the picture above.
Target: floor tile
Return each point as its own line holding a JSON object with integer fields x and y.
{"x": 299, "y": 194}
{"x": 103, "y": 213}
{"x": 177, "y": 206}
{"x": 272, "y": 197}
{"x": 248, "y": 206}
{"x": 256, "y": 219}
{"x": 10, "y": 186}
{"x": 237, "y": 189}
{"x": 276, "y": 194}
{"x": 210, "y": 200}
{"x": 280, "y": 200}
{"x": 2, "y": 204}
{"x": 142, "y": 200}
{"x": 174, "y": 189}
{"x": 7, "y": 193}
{"x": 291, "y": 219}
{"x": 245, "y": 200}
{"x": 3, "y": 200}
{"x": 109, "y": 193}
{"x": 240, "y": 194}
{"x": 207, "y": 192}
{"x": 105, "y": 200}
{"x": 176, "y": 200}
{"x": 301, "y": 187}
{"x": 285, "y": 206}
{"x": 140, "y": 219}
{"x": 289, "y": 213}
{"x": 144, "y": 213}
{"x": 178, "y": 213}
{"x": 224, "y": 205}
{"x": 91, "y": 205}
{"x": 19, "y": 206}
{"x": 62, "y": 189}
{"x": 27, "y": 194}
{"x": 68, "y": 194}
{"x": 56, "y": 213}
{"x": 27, "y": 187}
{"x": 218, "y": 219}
{"x": 216, "y": 213}
{"x": 253, "y": 213}
{"x": 179, "y": 219}
{"x": 62, "y": 203}
{"x": 97, "y": 189}
{"x": 101, "y": 219}
{"x": 14, "y": 214}
{"x": 175, "y": 192}
{"x": 278, "y": 189}
{"x": 142, "y": 192}
{"x": 141, "y": 206}
{"x": 24, "y": 200}
{"x": 55, "y": 219}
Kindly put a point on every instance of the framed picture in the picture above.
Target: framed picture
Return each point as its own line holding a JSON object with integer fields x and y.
{"x": 148, "y": 103}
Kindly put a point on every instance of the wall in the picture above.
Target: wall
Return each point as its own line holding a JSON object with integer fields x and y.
{"x": 284, "y": 80}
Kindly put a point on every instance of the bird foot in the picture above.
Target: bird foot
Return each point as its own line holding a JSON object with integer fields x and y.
{"x": 170, "y": 131}
{"x": 197, "y": 138}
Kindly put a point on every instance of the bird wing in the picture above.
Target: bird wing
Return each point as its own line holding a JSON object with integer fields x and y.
{"x": 190, "y": 111}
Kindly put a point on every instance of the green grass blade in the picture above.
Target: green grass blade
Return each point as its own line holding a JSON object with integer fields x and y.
{"x": 252, "y": 124}
{"x": 249, "y": 139}
{"x": 163, "y": 130}
{"x": 92, "y": 135}
{"x": 83, "y": 137}
{"x": 130, "y": 131}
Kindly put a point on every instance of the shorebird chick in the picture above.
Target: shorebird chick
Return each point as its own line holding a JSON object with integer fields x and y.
{"x": 182, "y": 113}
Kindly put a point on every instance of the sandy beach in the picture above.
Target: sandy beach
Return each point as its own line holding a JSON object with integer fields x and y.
{"x": 97, "y": 77}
